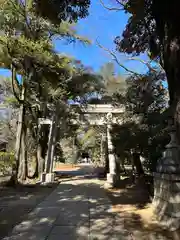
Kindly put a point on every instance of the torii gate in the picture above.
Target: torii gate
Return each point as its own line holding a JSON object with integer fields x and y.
{"x": 92, "y": 114}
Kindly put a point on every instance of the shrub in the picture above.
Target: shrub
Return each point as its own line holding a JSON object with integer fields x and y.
{"x": 6, "y": 162}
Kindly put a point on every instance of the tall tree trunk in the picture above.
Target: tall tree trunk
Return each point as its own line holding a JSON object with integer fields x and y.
{"x": 23, "y": 168}
{"x": 15, "y": 168}
{"x": 122, "y": 160}
{"x": 40, "y": 160}
{"x": 118, "y": 167}
{"x": 168, "y": 30}
{"x": 138, "y": 164}
{"x": 173, "y": 77}
{"x": 36, "y": 170}
{"x": 133, "y": 174}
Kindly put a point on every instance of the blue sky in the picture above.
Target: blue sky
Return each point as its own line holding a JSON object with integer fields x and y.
{"x": 103, "y": 25}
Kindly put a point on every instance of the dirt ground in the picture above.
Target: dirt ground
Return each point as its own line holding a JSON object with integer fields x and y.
{"x": 64, "y": 167}
{"x": 132, "y": 203}
{"x": 16, "y": 203}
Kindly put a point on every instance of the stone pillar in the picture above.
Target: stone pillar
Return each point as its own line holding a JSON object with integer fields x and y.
{"x": 48, "y": 176}
{"x": 166, "y": 200}
{"x": 112, "y": 176}
{"x": 48, "y": 156}
{"x": 102, "y": 150}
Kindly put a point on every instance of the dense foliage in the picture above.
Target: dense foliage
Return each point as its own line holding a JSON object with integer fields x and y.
{"x": 153, "y": 27}
{"x": 48, "y": 79}
{"x": 58, "y": 10}
{"x": 144, "y": 122}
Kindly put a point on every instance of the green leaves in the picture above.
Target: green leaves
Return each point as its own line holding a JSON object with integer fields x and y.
{"x": 6, "y": 161}
{"x": 59, "y": 10}
{"x": 112, "y": 84}
{"x": 67, "y": 31}
{"x": 143, "y": 122}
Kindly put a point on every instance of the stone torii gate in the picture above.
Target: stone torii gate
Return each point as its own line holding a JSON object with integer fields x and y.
{"x": 99, "y": 115}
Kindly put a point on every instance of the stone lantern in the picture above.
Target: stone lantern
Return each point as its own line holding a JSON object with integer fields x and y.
{"x": 167, "y": 184}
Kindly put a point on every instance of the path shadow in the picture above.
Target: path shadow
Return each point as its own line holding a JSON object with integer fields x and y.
{"x": 139, "y": 228}
{"x": 79, "y": 210}
{"x": 124, "y": 183}
{"x": 129, "y": 193}
{"x": 16, "y": 203}
{"x": 132, "y": 203}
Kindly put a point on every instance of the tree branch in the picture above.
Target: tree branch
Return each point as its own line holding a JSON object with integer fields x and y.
{"x": 128, "y": 58}
{"x": 148, "y": 64}
{"x": 111, "y": 8}
{"x": 122, "y": 4}
{"x": 143, "y": 62}
{"x": 115, "y": 58}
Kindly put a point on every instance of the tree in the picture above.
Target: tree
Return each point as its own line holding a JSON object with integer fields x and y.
{"x": 113, "y": 83}
{"x": 153, "y": 27}
{"x": 26, "y": 48}
{"x": 110, "y": 83}
{"x": 6, "y": 92}
{"x": 10, "y": 106}
{"x": 7, "y": 126}
{"x": 59, "y": 10}
{"x": 144, "y": 123}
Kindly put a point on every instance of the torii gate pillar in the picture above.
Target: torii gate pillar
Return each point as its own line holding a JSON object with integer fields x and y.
{"x": 113, "y": 175}
{"x": 48, "y": 176}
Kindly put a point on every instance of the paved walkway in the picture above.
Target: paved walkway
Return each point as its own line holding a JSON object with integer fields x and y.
{"x": 77, "y": 209}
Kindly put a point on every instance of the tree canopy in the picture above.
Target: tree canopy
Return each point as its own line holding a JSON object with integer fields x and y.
{"x": 58, "y": 10}
{"x": 144, "y": 122}
{"x": 152, "y": 27}
{"x": 48, "y": 78}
